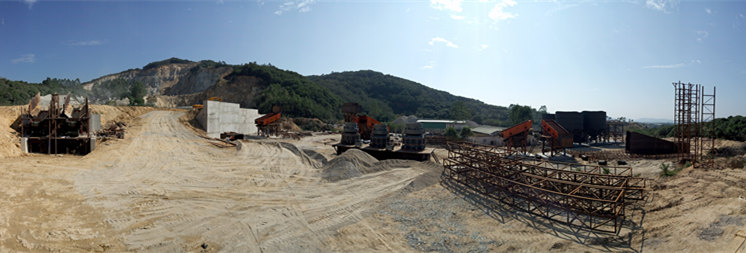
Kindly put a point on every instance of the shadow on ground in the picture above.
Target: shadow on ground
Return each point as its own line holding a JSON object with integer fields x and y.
{"x": 604, "y": 241}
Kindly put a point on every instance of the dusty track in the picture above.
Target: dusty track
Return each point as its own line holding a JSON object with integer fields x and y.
{"x": 164, "y": 189}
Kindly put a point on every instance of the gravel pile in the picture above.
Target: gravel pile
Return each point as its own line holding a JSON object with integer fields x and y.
{"x": 352, "y": 163}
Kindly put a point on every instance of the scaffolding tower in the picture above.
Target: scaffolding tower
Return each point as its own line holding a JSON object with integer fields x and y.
{"x": 708, "y": 118}
{"x": 692, "y": 109}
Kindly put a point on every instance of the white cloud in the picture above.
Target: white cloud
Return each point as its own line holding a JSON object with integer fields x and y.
{"x": 26, "y": 58}
{"x": 300, "y": 6}
{"x": 670, "y": 66}
{"x": 497, "y": 13}
{"x": 85, "y": 43}
{"x": 430, "y": 65}
{"x": 452, "y": 5}
{"x": 30, "y": 3}
{"x": 661, "y": 5}
{"x": 483, "y": 46}
{"x": 442, "y": 40}
{"x": 708, "y": 10}
{"x": 701, "y": 35}
{"x": 457, "y": 17}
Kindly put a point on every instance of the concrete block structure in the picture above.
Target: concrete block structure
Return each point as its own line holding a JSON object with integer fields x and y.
{"x": 487, "y": 135}
{"x": 220, "y": 117}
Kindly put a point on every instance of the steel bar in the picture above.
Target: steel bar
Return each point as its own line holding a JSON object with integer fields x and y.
{"x": 566, "y": 193}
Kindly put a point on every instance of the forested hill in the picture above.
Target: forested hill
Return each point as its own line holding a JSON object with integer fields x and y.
{"x": 385, "y": 96}
{"x": 177, "y": 82}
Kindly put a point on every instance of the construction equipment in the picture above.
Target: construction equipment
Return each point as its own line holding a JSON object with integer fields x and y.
{"x": 198, "y": 106}
{"x": 517, "y": 136}
{"x": 380, "y": 136}
{"x": 268, "y": 124}
{"x": 219, "y": 99}
{"x": 59, "y": 129}
{"x": 558, "y": 136}
{"x": 414, "y": 137}
{"x": 350, "y": 134}
{"x": 364, "y": 123}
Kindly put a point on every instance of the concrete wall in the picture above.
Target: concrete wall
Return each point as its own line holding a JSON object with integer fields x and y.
{"x": 219, "y": 117}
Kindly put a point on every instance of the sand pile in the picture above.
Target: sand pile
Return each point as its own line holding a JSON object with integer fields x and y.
{"x": 352, "y": 163}
{"x": 10, "y": 144}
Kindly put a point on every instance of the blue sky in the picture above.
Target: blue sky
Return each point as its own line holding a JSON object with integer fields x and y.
{"x": 617, "y": 56}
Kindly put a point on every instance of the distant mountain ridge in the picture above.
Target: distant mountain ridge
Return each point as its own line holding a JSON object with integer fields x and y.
{"x": 177, "y": 82}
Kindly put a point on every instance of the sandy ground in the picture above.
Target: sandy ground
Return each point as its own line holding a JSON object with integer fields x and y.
{"x": 165, "y": 189}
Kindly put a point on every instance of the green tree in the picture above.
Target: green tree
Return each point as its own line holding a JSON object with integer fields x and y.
{"x": 466, "y": 132}
{"x": 137, "y": 92}
{"x": 451, "y": 133}
{"x": 459, "y": 111}
{"x": 519, "y": 113}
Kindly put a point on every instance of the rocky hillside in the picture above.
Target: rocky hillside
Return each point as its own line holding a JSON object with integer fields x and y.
{"x": 177, "y": 82}
{"x": 180, "y": 80}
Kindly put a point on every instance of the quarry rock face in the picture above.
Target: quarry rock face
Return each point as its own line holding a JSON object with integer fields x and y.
{"x": 174, "y": 84}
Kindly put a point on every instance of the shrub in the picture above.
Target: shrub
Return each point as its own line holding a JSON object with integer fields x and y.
{"x": 666, "y": 171}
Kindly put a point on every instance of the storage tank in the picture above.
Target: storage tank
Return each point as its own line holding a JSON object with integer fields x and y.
{"x": 573, "y": 122}
{"x": 594, "y": 123}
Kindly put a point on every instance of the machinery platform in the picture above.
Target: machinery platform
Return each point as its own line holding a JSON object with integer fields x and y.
{"x": 383, "y": 154}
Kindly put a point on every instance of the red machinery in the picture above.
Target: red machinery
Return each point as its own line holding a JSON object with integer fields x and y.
{"x": 517, "y": 136}
{"x": 268, "y": 124}
{"x": 365, "y": 123}
{"x": 558, "y": 136}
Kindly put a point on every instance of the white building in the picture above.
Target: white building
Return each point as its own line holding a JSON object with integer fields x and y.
{"x": 487, "y": 135}
{"x": 219, "y": 117}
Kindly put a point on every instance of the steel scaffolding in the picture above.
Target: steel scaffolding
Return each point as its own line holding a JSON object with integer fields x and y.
{"x": 692, "y": 110}
{"x": 592, "y": 197}
{"x": 708, "y": 118}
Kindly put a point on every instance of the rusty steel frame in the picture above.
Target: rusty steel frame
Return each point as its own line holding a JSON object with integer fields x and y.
{"x": 708, "y": 114}
{"x": 692, "y": 110}
{"x": 578, "y": 195}
{"x": 686, "y": 120}
{"x": 54, "y": 120}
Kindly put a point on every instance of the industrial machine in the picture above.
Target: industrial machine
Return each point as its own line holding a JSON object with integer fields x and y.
{"x": 558, "y": 136}
{"x": 269, "y": 124}
{"x": 364, "y": 123}
{"x": 414, "y": 137}
{"x": 362, "y": 127}
{"x": 58, "y": 128}
{"x": 350, "y": 134}
{"x": 517, "y": 136}
{"x": 380, "y": 137}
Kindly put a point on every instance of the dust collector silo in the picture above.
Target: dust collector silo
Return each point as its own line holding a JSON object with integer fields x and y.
{"x": 573, "y": 123}
{"x": 594, "y": 123}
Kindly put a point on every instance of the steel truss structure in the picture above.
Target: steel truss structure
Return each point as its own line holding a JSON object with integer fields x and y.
{"x": 692, "y": 110}
{"x": 708, "y": 115}
{"x": 592, "y": 197}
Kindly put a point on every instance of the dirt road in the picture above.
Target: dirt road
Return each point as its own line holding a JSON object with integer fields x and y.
{"x": 167, "y": 190}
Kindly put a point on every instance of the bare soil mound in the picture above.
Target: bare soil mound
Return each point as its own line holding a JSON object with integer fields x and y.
{"x": 352, "y": 163}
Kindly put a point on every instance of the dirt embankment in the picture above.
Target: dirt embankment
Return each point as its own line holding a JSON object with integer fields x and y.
{"x": 9, "y": 139}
